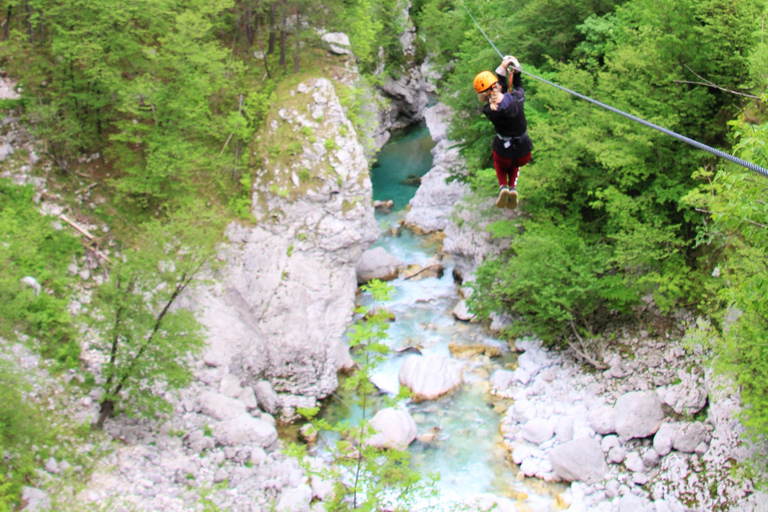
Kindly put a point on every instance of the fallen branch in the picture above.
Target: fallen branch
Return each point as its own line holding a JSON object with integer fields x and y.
{"x": 422, "y": 270}
{"x": 582, "y": 354}
{"x": 85, "y": 189}
{"x": 76, "y": 226}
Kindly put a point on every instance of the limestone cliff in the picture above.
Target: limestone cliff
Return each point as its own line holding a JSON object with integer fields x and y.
{"x": 285, "y": 295}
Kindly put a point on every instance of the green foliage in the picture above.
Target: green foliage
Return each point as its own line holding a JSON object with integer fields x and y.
{"x": 31, "y": 246}
{"x": 20, "y": 427}
{"x": 145, "y": 339}
{"x": 367, "y": 478}
{"x": 739, "y": 231}
{"x": 558, "y": 281}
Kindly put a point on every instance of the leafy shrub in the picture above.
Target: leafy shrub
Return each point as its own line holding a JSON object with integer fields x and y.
{"x": 556, "y": 280}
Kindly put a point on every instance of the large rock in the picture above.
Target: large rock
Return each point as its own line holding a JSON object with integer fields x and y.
{"x": 538, "y": 431}
{"x": 266, "y": 397}
{"x": 662, "y": 441}
{"x": 580, "y": 459}
{"x": 245, "y": 430}
{"x": 338, "y": 43}
{"x": 429, "y": 377}
{"x": 638, "y": 414}
{"x": 395, "y": 428}
{"x": 602, "y": 420}
{"x": 377, "y": 263}
{"x": 687, "y": 436}
{"x": 684, "y": 398}
{"x": 284, "y": 297}
{"x": 220, "y": 406}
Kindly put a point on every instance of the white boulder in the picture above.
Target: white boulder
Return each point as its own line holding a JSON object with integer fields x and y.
{"x": 220, "y": 406}
{"x": 245, "y": 430}
{"x": 581, "y": 459}
{"x": 395, "y": 429}
{"x": 338, "y": 43}
{"x": 429, "y": 377}
{"x": 638, "y": 414}
{"x": 377, "y": 263}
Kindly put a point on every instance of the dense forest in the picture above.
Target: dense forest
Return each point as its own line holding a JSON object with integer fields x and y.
{"x": 621, "y": 223}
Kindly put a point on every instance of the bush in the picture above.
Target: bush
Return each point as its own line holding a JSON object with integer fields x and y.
{"x": 556, "y": 280}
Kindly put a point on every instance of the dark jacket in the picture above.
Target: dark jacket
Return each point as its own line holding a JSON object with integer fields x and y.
{"x": 509, "y": 120}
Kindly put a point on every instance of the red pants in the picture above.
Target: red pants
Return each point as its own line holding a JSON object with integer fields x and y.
{"x": 508, "y": 168}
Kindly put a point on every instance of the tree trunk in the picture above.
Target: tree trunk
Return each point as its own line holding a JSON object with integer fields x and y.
{"x": 7, "y": 27}
{"x": 272, "y": 27}
{"x": 106, "y": 410}
{"x": 283, "y": 38}
{"x": 298, "y": 42}
{"x": 249, "y": 26}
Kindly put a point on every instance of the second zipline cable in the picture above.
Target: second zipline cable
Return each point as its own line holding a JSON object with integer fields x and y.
{"x": 687, "y": 140}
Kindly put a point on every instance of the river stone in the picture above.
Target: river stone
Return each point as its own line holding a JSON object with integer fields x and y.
{"x": 220, "y": 406}
{"x": 338, "y": 43}
{"x": 609, "y": 442}
{"x": 429, "y": 377}
{"x": 395, "y": 429}
{"x": 461, "y": 312}
{"x": 617, "y": 455}
{"x": 245, "y": 430}
{"x": 36, "y": 500}
{"x": 638, "y": 414}
{"x": 634, "y": 462}
{"x": 651, "y": 458}
{"x": 538, "y": 431}
{"x": 632, "y": 503}
{"x": 580, "y": 459}
{"x": 688, "y": 436}
{"x": 377, "y": 263}
{"x": 662, "y": 441}
{"x": 266, "y": 396}
{"x": 602, "y": 420}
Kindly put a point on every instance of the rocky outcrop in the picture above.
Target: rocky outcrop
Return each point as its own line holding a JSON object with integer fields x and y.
{"x": 435, "y": 199}
{"x": 286, "y": 291}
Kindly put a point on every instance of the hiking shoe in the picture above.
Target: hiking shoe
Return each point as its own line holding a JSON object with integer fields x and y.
{"x": 512, "y": 199}
{"x": 501, "y": 201}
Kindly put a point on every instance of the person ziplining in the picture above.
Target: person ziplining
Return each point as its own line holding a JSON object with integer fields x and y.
{"x": 512, "y": 146}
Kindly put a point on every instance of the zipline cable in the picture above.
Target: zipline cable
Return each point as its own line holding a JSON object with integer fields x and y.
{"x": 694, "y": 143}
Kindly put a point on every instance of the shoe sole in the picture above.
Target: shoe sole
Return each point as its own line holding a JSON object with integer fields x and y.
{"x": 512, "y": 200}
{"x": 502, "y": 200}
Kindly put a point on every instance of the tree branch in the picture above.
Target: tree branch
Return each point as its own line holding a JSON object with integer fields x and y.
{"x": 582, "y": 354}
{"x": 708, "y": 83}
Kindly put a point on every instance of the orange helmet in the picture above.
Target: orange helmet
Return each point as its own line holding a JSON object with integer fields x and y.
{"x": 483, "y": 81}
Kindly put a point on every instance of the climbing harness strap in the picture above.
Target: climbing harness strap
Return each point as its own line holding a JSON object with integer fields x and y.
{"x": 516, "y": 139}
{"x": 694, "y": 143}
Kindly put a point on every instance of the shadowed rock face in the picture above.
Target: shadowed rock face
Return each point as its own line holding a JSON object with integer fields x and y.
{"x": 285, "y": 295}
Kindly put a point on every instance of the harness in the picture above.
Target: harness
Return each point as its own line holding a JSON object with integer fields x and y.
{"x": 508, "y": 141}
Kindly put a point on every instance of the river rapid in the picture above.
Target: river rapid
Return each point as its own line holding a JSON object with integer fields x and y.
{"x": 467, "y": 450}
